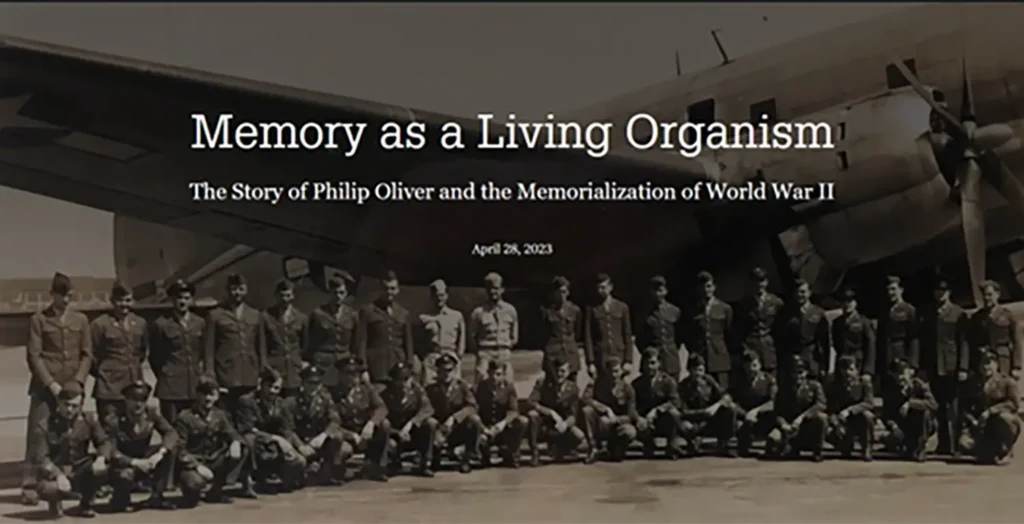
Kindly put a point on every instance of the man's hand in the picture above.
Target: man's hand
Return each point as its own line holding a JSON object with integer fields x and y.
{"x": 799, "y": 421}
{"x": 627, "y": 368}
{"x": 143, "y": 465}
{"x": 318, "y": 441}
{"x": 366, "y": 376}
{"x": 866, "y": 377}
{"x": 961, "y": 376}
{"x": 787, "y": 427}
{"x": 642, "y": 424}
{"x": 54, "y": 388}
{"x": 235, "y": 450}
{"x": 204, "y": 472}
{"x": 63, "y": 484}
{"x": 984, "y": 417}
{"x": 751, "y": 416}
{"x": 405, "y": 434}
{"x": 1015, "y": 373}
{"x": 592, "y": 371}
{"x": 904, "y": 409}
{"x": 561, "y": 426}
{"x": 99, "y": 466}
{"x": 449, "y": 423}
{"x": 306, "y": 450}
{"x": 367, "y": 433}
{"x": 844, "y": 414}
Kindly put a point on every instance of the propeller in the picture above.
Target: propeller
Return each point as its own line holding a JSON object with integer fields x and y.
{"x": 965, "y": 151}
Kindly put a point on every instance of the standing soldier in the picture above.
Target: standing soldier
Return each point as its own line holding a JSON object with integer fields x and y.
{"x": 662, "y": 328}
{"x": 364, "y": 419}
{"x": 658, "y": 404}
{"x": 317, "y": 429}
{"x": 446, "y": 329}
{"x": 710, "y": 330}
{"x": 211, "y": 448}
{"x": 707, "y": 410}
{"x": 944, "y": 359}
{"x": 563, "y": 327}
{"x": 898, "y": 329}
{"x": 134, "y": 457}
{"x": 493, "y": 329}
{"x": 411, "y": 418}
{"x": 994, "y": 329}
{"x": 265, "y": 422}
{"x": 854, "y": 334}
{"x": 59, "y": 350}
{"x": 613, "y": 402}
{"x": 608, "y": 330}
{"x": 235, "y": 345}
{"x": 120, "y": 342}
{"x": 332, "y": 329}
{"x": 62, "y": 456}
{"x": 991, "y": 420}
{"x": 754, "y": 398}
{"x": 802, "y": 422}
{"x": 804, "y": 331}
{"x": 286, "y": 335}
{"x": 909, "y": 411}
{"x": 757, "y": 320}
{"x": 556, "y": 414}
{"x": 455, "y": 407}
{"x": 851, "y": 404}
{"x": 176, "y": 352}
{"x": 384, "y": 333}
{"x": 498, "y": 405}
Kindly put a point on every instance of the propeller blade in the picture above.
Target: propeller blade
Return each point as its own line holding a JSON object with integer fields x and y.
{"x": 924, "y": 93}
{"x": 972, "y": 214}
{"x": 1004, "y": 181}
{"x": 967, "y": 97}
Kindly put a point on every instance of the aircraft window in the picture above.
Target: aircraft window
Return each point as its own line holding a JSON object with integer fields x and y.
{"x": 702, "y": 112}
{"x": 894, "y": 78}
{"x": 764, "y": 111}
{"x": 844, "y": 162}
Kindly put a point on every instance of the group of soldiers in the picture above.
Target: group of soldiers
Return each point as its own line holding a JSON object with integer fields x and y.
{"x": 280, "y": 399}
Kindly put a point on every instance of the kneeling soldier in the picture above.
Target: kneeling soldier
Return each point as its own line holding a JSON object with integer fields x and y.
{"x": 613, "y": 402}
{"x": 65, "y": 465}
{"x": 317, "y": 428}
{"x": 754, "y": 398}
{"x": 909, "y": 411}
{"x": 991, "y": 421}
{"x": 364, "y": 419}
{"x": 455, "y": 406}
{"x": 266, "y": 424}
{"x": 851, "y": 402}
{"x": 211, "y": 447}
{"x": 498, "y": 404}
{"x": 800, "y": 415}
{"x": 707, "y": 409}
{"x": 133, "y": 457}
{"x": 657, "y": 403}
{"x": 556, "y": 414}
{"x": 411, "y": 417}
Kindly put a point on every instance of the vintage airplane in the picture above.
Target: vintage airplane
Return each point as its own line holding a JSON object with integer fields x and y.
{"x": 925, "y": 102}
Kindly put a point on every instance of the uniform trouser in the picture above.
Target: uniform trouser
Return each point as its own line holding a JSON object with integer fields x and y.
{"x": 543, "y": 428}
{"x": 466, "y": 433}
{"x": 421, "y": 440}
{"x": 268, "y": 459}
{"x": 84, "y": 482}
{"x": 910, "y": 433}
{"x": 747, "y": 431}
{"x": 614, "y": 432}
{"x": 994, "y": 440}
{"x": 327, "y": 462}
{"x": 40, "y": 406}
{"x": 429, "y": 372}
{"x": 667, "y": 423}
{"x": 508, "y": 440}
{"x": 124, "y": 478}
{"x": 375, "y": 448}
{"x": 220, "y": 463}
{"x": 722, "y": 377}
{"x": 484, "y": 356}
{"x": 809, "y": 436}
{"x": 946, "y": 389}
{"x": 858, "y": 427}
{"x": 721, "y": 426}
{"x": 230, "y": 400}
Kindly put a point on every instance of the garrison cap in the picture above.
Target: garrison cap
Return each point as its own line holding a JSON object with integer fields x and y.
{"x": 235, "y": 280}
{"x": 986, "y": 357}
{"x": 695, "y": 361}
{"x": 848, "y": 294}
{"x": 438, "y": 286}
{"x": 894, "y": 279}
{"x": 71, "y": 389}
{"x": 349, "y": 364}
{"x": 492, "y": 279}
{"x": 269, "y": 375}
{"x": 284, "y": 285}
{"x": 180, "y": 287}
{"x": 137, "y": 390}
{"x": 207, "y": 385}
{"x": 758, "y": 275}
{"x": 446, "y": 361}
{"x": 602, "y": 277}
{"x": 119, "y": 291}
{"x": 941, "y": 285}
{"x": 400, "y": 371}
{"x": 658, "y": 282}
{"x": 60, "y": 284}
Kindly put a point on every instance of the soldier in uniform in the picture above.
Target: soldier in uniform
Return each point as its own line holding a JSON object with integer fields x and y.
{"x": 662, "y": 328}
{"x": 707, "y": 409}
{"x": 854, "y": 334}
{"x": 412, "y": 419}
{"x": 709, "y": 331}
{"x": 556, "y": 414}
{"x": 286, "y": 334}
{"x": 851, "y": 402}
{"x": 498, "y": 407}
{"x": 59, "y": 350}
{"x": 364, "y": 419}
{"x": 62, "y": 456}
{"x": 317, "y": 429}
{"x": 210, "y": 447}
{"x": 384, "y": 333}
{"x": 991, "y": 420}
{"x": 899, "y": 329}
{"x": 658, "y": 404}
{"x": 804, "y": 331}
{"x": 994, "y": 329}
{"x": 446, "y": 330}
{"x": 608, "y": 329}
{"x": 756, "y": 323}
{"x": 120, "y": 343}
{"x": 909, "y": 411}
{"x": 176, "y": 352}
{"x": 944, "y": 359}
{"x": 236, "y": 348}
{"x": 133, "y": 456}
{"x": 493, "y": 328}
{"x": 801, "y": 420}
{"x": 613, "y": 402}
{"x": 754, "y": 398}
{"x": 456, "y": 409}
{"x": 265, "y": 422}
{"x": 332, "y": 329}
{"x": 562, "y": 327}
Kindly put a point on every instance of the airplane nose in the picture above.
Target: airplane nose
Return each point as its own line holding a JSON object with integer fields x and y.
{"x": 992, "y": 136}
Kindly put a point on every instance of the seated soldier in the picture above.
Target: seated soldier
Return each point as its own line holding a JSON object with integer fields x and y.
{"x": 657, "y": 403}
{"x": 210, "y": 447}
{"x": 265, "y": 423}
{"x": 411, "y": 417}
{"x": 65, "y": 465}
{"x": 707, "y": 409}
{"x": 613, "y": 402}
{"x": 455, "y": 407}
{"x": 498, "y": 406}
{"x": 991, "y": 423}
{"x": 556, "y": 415}
{"x": 316, "y": 429}
{"x": 133, "y": 458}
{"x": 800, "y": 415}
{"x": 364, "y": 419}
{"x": 851, "y": 402}
{"x": 908, "y": 410}
{"x": 754, "y": 398}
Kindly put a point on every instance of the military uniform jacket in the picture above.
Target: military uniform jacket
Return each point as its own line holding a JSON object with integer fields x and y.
{"x": 176, "y": 356}
{"x": 562, "y": 329}
{"x": 235, "y": 346}
{"x": 204, "y": 435}
{"x": 263, "y": 413}
{"x": 855, "y": 335}
{"x": 996, "y": 330}
{"x": 854, "y": 394}
{"x": 806, "y": 397}
{"x": 496, "y": 401}
{"x": 709, "y": 333}
{"x": 662, "y": 328}
{"x": 944, "y": 341}
{"x": 286, "y": 339}
{"x": 917, "y": 392}
{"x": 64, "y": 444}
{"x": 119, "y": 348}
{"x": 562, "y": 398}
{"x": 756, "y": 326}
{"x": 898, "y": 335}
{"x": 130, "y": 439}
{"x": 406, "y": 403}
{"x": 618, "y": 395}
{"x": 452, "y": 400}
{"x": 313, "y": 412}
{"x": 699, "y": 393}
{"x": 804, "y": 331}
{"x": 445, "y": 330}
{"x": 358, "y": 404}
{"x": 383, "y": 339}
{"x": 59, "y": 349}
{"x": 998, "y": 394}
{"x": 332, "y": 334}
{"x": 655, "y": 391}
{"x": 608, "y": 332}
{"x": 756, "y": 391}
{"x": 494, "y": 327}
